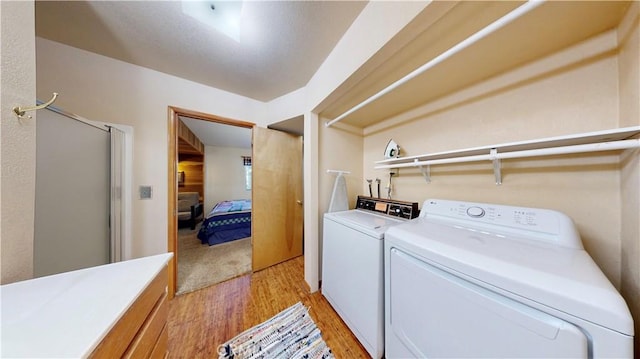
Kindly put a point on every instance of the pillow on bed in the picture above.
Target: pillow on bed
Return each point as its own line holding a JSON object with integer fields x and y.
{"x": 236, "y": 206}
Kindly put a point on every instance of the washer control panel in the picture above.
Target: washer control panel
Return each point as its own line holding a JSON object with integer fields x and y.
{"x": 401, "y": 209}
{"x": 476, "y": 212}
{"x": 532, "y": 221}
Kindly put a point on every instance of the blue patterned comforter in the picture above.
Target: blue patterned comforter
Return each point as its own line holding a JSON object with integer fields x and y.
{"x": 227, "y": 221}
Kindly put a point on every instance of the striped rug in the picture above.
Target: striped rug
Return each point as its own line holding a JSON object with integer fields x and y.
{"x": 291, "y": 333}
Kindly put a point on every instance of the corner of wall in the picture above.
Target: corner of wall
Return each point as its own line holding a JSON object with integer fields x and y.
{"x": 17, "y": 140}
{"x": 629, "y": 109}
{"x": 312, "y": 248}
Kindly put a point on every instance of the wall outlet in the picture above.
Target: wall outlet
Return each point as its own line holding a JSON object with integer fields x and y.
{"x": 146, "y": 192}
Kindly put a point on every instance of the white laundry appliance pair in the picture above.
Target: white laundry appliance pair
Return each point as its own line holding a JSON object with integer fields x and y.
{"x": 490, "y": 281}
{"x": 352, "y": 265}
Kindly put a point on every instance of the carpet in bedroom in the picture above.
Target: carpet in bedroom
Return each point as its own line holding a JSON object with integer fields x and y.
{"x": 201, "y": 265}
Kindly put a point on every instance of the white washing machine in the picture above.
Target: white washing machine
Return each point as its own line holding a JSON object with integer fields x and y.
{"x": 483, "y": 280}
{"x": 352, "y": 265}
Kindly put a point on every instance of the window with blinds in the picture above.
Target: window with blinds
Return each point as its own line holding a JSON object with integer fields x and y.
{"x": 246, "y": 162}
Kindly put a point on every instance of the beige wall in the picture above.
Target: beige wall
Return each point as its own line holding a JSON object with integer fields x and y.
{"x": 578, "y": 98}
{"x": 17, "y": 140}
{"x": 562, "y": 94}
{"x": 107, "y": 90}
{"x": 629, "y": 87}
{"x": 103, "y": 89}
{"x": 310, "y": 155}
{"x": 340, "y": 150}
{"x": 224, "y": 174}
{"x": 364, "y": 38}
{"x": 123, "y": 93}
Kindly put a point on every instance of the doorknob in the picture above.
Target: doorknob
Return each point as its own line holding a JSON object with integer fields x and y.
{"x": 299, "y": 202}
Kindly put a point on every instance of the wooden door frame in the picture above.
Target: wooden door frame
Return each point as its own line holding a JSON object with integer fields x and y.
{"x": 172, "y": 167}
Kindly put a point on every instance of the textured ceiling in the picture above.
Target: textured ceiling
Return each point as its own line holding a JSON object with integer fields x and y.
{"x": 218, "y": 134}
{"x": 282, "y": 43}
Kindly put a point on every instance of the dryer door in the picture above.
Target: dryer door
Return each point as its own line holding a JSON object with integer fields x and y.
{"x": 433, "y": 313}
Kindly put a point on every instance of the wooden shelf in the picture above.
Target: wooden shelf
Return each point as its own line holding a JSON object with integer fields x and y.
{"x": 607, "y": 140}
{"x": 188, "y": 142}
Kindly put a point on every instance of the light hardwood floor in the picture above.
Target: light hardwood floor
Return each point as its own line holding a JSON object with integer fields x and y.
{"x": 202, "y": 320}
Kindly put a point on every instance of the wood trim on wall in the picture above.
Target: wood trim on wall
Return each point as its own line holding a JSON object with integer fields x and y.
{"x": 211, "y": 118}
{"x": 192, "y": 143}
{"x": 172, "y": 168}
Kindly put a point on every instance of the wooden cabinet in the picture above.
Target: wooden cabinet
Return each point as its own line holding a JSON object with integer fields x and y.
{"x": 141, "y": 332}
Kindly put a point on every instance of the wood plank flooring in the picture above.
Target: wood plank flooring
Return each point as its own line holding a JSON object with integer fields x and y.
{"x": 202, "y": 320}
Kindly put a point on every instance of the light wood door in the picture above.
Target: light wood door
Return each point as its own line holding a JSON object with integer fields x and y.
{"x": 277, "y": 211}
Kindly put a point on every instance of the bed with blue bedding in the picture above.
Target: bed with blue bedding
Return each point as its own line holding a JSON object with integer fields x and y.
{"x": 227, "y": 221}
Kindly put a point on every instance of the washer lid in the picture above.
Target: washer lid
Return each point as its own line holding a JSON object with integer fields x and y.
{"x": 365, "y": 221}
{"x": 565, "y": 279}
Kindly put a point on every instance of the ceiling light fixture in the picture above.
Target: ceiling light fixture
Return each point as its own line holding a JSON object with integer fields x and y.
{"x": 224, "y": 16}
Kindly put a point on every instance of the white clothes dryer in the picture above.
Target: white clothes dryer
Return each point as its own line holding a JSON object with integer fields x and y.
{"x": 352, "y": 265}
{"x": 484, "y": 280}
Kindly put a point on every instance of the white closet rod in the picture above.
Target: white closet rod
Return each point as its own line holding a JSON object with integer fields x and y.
{"x": 506, "y": 19}
{"x": 589, "y": 147}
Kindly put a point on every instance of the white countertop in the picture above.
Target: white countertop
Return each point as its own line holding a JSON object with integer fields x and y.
{"x": 68, "y": 314}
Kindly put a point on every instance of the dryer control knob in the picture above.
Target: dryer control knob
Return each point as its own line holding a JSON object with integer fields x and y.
{"x": 475, "y": 212}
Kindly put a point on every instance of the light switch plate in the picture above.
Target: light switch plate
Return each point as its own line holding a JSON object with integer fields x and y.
{"x": 146, "y": 192}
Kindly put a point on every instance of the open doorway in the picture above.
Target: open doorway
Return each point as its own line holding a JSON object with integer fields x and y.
{"x": 276, "y": 212}
{"x": 202, "y": 149}
{"x": 214, "y": 203}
